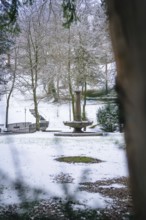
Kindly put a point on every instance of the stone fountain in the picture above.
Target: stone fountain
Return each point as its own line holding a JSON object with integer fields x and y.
{"x": 78, "y": 124}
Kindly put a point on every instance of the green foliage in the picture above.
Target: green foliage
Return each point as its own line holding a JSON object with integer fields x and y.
{"x": 95, "y": 93}
{"x": 9, "y": 27}
{"x": 108, "y": 117}
{"x": 69, "y": 12}
{"x": 78, "y": 159}
{"x": 9, "y": 12}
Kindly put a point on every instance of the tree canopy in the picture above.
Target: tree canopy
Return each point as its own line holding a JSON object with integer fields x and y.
{"x": 9, "y": 11}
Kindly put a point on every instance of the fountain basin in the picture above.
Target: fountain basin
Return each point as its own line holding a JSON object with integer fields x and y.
{"x": 78, "y": 125}
{"x": 78, "y": 134}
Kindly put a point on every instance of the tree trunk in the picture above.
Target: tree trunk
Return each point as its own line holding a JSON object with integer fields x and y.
{"x": 36, "y": 110}
{"x": 69, "y": 77}
{"x": 33, "y": 65}
{"x": 128, "y": 33}
{"x": 7, "y": 112}
{"x": 72, "y": 100}
{"x": 11, "y": 89}
{"x": 106, "y": 79}
{"x": 53, "y": 91}
{"x": 58, "y": 92}
{"x": 84, "y": 104}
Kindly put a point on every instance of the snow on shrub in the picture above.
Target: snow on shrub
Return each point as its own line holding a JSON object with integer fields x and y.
{"x": 107, "y": 117}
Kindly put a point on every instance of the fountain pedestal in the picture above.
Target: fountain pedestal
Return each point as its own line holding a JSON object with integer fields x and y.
{"x": 78, "y": 124}
{"x": 78, "y": 106}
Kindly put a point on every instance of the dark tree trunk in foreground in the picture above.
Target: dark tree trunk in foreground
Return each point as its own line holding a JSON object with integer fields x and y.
{"x": 128, "y": 32}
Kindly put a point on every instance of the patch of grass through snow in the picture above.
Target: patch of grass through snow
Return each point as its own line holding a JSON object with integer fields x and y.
{"x": 78, "y": 159}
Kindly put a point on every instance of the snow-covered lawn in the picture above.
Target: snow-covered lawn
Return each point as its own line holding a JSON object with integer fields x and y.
{"x": 31, "y": 158}
{"x": 55, "y": 113}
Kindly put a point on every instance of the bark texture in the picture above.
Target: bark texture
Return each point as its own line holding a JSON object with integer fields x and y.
{"x": 128, "y": 32}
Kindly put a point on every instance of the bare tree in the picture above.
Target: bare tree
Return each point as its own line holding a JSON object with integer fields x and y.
{"x": 11, "y": 84}
{"x": 33, "y": 53}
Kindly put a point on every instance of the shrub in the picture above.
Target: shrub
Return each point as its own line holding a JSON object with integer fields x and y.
{"x": 94, "y": 93}
{"x": 107, "y": 117}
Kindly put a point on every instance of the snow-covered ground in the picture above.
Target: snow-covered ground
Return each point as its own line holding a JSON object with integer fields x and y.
{"x": 53, "y": 112}
{"x": 31, "y": 158}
